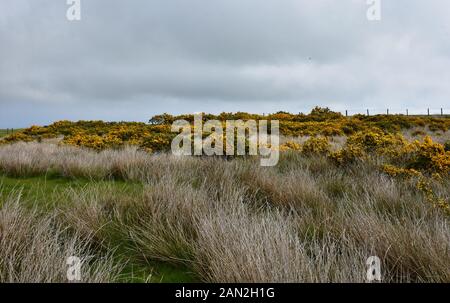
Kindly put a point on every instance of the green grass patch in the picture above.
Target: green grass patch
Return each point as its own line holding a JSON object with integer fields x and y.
{"x": 156, "y": 272}
{"x": 43, "y": 192}
{"x": 36, "y": 190}
{"x": 42, "y": 189}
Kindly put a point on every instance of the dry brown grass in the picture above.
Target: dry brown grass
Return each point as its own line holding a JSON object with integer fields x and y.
{"x": 233, "y": 221}
{"x": 34, "y": 248}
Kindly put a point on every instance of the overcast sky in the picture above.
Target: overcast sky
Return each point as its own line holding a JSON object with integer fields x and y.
{"x": 129, "y": 60}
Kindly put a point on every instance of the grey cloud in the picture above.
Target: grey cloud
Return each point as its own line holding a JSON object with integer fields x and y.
{"x": 128, "y": 60}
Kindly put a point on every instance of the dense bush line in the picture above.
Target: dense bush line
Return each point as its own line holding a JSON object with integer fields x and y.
{"x": 157, "y": 135}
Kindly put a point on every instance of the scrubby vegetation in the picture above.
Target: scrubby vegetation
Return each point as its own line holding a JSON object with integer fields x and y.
{"x": 344, "y": 189}
{"x": 157, "y": 136}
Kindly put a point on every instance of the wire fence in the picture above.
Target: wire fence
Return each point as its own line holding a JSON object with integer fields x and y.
{"x": 8, "y": 131}
{"x": 397, "y": 111}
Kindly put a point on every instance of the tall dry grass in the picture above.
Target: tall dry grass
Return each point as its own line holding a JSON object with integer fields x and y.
{"x": 304, "y": 220}
{"x": 34, "y": 248}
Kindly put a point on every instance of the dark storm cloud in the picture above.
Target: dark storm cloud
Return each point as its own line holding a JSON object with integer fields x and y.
{"x": 127, "y": 60}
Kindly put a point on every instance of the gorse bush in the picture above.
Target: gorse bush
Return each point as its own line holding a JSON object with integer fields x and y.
{"x": 290, "y": 145}
{"x": 156, "y": 136}
{"x": 316, "y": 145}
{"x": 378, "y": 142}
{"x": 349, "y": 155}
{"x": 429, "y": 156}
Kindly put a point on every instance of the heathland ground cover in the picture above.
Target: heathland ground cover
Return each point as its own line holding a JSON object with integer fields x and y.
{"x": 343, "y": 190}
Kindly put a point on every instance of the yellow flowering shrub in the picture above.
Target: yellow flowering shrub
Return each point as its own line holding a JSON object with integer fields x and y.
{"x": 290, "y": 145}
{"x": 424, "y": 185}
{"x": 429, "y": 156}
{"x": 85, "y": 140}
{"x": 367, "y": 134}
{"x": 348, "y": 154}
{"x": 400, "y": 158}
{"x": 316, "y": 145}
{"x": 379, "y": 143}
{"x": 157, "y": 142}
{"x": 395, "y": 171}
{"x": 17, "y": 137}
